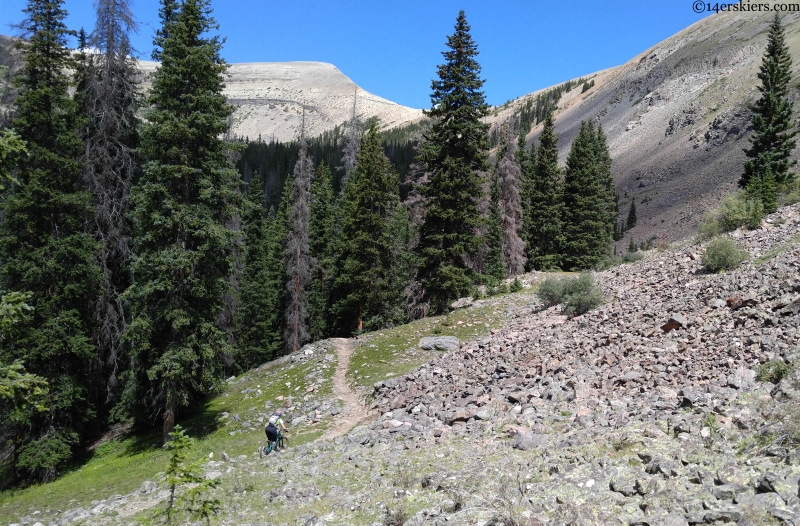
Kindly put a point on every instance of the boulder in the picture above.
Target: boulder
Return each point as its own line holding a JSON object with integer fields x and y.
{"x": 440, "y": 343}
{"x": 528, "y": 440}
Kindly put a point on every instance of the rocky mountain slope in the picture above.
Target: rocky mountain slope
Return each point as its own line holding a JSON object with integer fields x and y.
{"x": 270, "y": 98}
{"x": 676, "y": 117}
{"x": 674, "y": 403}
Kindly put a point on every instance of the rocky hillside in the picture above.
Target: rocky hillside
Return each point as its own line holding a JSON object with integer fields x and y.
{"x": 676, "y": 118}
{"x": 270, "y": 97}
{"x": 674, "y": 403}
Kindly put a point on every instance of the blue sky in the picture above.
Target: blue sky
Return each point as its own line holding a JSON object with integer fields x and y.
{"x": 391, "y": 48}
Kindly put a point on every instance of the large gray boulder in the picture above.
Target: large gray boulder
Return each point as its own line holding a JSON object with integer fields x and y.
{"x": 440, "y": 343}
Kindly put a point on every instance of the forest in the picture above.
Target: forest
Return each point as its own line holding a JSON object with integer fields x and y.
{"x": 146, "y": 255}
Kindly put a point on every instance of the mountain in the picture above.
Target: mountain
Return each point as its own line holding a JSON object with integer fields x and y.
{"x": 270, "y": 97}
{"x": 676, "y": 117}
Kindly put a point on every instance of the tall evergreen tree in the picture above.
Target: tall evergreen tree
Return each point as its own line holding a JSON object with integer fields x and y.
{"x": 109, "y": 99}
{"x": 368, "y": 288}
{"x": 586, "y": 234}
{"x": 45, "y": 250}
{"x": 772, "y": 141}
{"x": 509, "y": 175}
{"x": 322, "y": 226}
{"x": 183, "y": 251}
{"x": 494, "y": 268}
{"x": 352, "y": 142}
{"x": 545, "y": 234}
{"x": 527, "y": 163}
{"x": 258, "y": 329}
{"x": 605, "y": 180}
{"x": 297, "y": 256}
{"x": 454, "y": 152}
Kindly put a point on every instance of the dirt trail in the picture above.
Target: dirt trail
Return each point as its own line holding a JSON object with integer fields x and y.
{"x": 353, "y": 411}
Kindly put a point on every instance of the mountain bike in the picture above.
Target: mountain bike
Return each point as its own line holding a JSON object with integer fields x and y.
{"x": 268, "y": 446}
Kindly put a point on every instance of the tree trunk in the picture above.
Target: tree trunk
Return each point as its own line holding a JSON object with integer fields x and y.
{"x": 169, "y": 417}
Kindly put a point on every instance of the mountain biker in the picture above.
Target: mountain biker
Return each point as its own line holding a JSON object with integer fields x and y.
{"x": 273, "y": 423}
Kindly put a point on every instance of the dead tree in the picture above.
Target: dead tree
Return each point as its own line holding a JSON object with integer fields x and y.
{"x": 110, "y": 100}
{"x": 510, "y": 176}
{"x": 297, "y": 255}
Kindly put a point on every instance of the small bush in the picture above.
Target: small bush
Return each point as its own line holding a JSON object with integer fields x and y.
{"x": 736, "y": 211}
{"x": 502, "y": 289}
{"x": 551, "y": 291}
{"x": 773, "y": 372}
{"x": 581, "y": 295}
{"x": 722, "y": 254}
{"x": 577, "y": 295}
{"x": 789, "y": 193}
{"x": 516, "y": 285}
{"x": 632, "y": 257}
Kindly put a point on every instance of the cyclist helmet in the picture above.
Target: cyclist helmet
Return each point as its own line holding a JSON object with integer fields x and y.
{"x": 279, "y": 412}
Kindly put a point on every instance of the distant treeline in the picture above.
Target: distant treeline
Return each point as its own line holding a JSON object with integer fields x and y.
{"x": 273, "y": 161}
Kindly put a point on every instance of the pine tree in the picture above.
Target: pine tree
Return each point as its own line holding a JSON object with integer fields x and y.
{"x": 109, "y": 99}
{"x": 772, "y": 141}
{"x": 183, "y": 250}
{"x": 454, "y": 153}
{"x": 606, "y": 180}
{"x": 769, "y": 191}
{"x": 46, "y": 251}
{"x": 322, "y": 226}
{"x": 369, "y": 282}
{"x": 352, "y": 142}
{"x": 494, "y": 269}
{"x": 586, "y": 233}
{"x": 297, "y": 256}
{"x": 258, "y": 329}
{"x": 545, "y": 234}
{"x": 527, "y": 163}
{"x": 509, "y": 174}
{"x": 631, "y": 221}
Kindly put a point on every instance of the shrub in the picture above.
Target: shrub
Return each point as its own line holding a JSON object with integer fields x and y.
{"x": 773, "y": 371}
{"x": 722, "y": 254}
{"x": 631, "y": 257}
{"x": 551, "y": 291}
{"x": 736, "y": 211}
{"x": 789, "y": 193}
{"x": 581, "y": 295}
{"x": 577, "y": 295}
{"x": 515, "y": 286}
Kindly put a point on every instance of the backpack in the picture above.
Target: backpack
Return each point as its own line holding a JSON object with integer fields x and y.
{"x": 273, "y": 420}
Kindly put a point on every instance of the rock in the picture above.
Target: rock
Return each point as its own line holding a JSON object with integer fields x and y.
{"x": 716, "y": 303}
{"x": 791, "y": 309}
{"x": 742, "y": 378}
{"x": 527, "y": 440}
{"x": 147, "y": 487}
{"x": 439, "y": 343}
{"x": 729, "y": 491}
{"x": 461, "y": 303}
{"x": 675, "y": 321}
{"x": 225, "y": 456}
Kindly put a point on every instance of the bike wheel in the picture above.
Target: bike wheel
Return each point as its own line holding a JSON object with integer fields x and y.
{"x": 265, "y": 449}
{"x": 283, "y": 443}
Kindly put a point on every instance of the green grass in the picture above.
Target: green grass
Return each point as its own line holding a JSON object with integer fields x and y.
{"x": 119, "y": 466}
{"x": 394, "y": 352}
